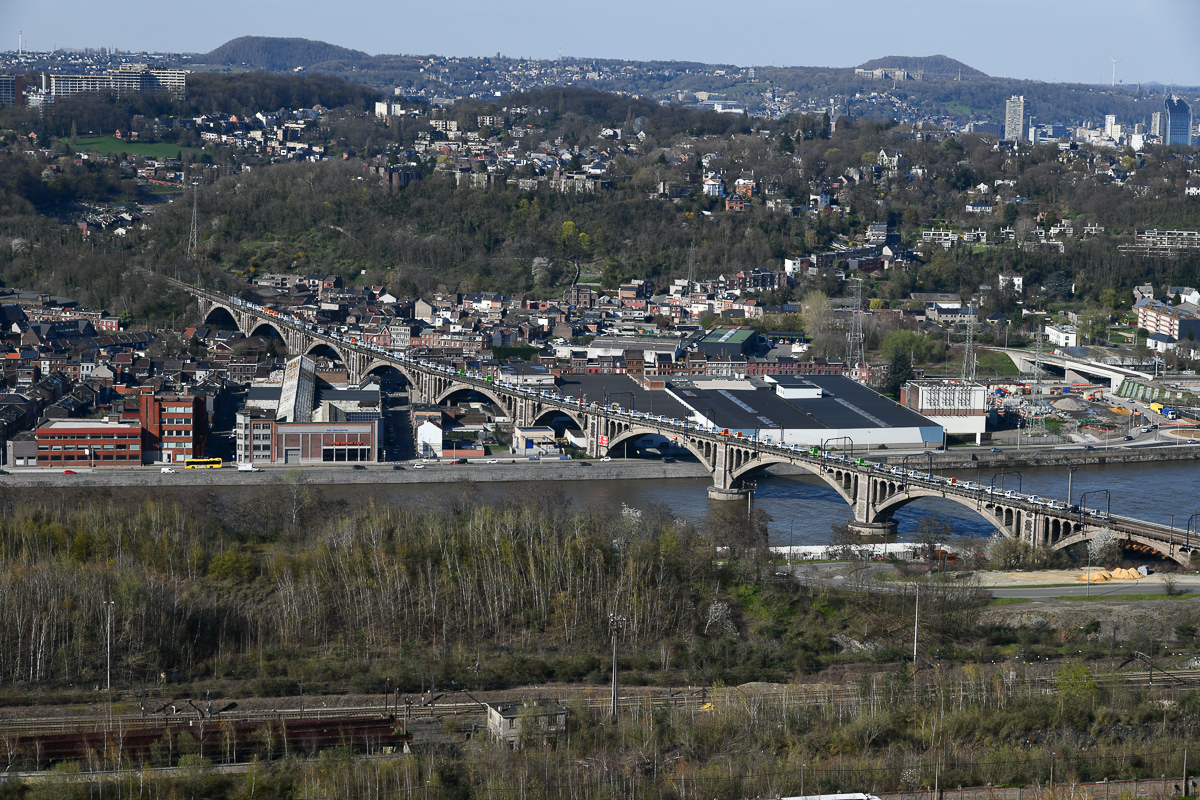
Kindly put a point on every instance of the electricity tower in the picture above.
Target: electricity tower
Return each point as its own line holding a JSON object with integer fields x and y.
{"x": 194, "y": 240}
{"x": 854, "y": 337}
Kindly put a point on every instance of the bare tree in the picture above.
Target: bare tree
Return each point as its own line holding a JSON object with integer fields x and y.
{"x": 932, "y": 531}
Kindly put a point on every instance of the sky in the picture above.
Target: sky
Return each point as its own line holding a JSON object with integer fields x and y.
{"x": 1047, "y": 40}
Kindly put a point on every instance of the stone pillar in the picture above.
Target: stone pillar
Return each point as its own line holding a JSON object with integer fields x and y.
{"x": 725, "y": 486}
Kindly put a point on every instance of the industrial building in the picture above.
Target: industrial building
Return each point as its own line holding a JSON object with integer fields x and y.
{"x": 959, "y": 407}
{"x": 296, "y": 419}
{"x": 809, "y": 410}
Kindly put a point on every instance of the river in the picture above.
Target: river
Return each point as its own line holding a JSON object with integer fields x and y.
{"x": 803, "y": 508}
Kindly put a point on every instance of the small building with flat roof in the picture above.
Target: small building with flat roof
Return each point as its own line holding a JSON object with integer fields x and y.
{"x": 729, "y": 341}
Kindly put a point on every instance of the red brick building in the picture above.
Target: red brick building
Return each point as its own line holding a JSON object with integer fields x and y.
{"x": 70, "y": 443}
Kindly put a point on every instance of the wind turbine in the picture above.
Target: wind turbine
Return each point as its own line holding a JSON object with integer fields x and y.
{"x": 1115, "y": 62}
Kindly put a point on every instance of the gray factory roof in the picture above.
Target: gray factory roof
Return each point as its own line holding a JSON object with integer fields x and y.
{"x": 619, "y": 388}
{"x": 843, "y": 404}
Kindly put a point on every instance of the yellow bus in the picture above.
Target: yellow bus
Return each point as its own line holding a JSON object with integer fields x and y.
{"x": 203, "y": 463}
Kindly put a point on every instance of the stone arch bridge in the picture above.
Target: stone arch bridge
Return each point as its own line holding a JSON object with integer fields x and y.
{"x": 874, "y": 492}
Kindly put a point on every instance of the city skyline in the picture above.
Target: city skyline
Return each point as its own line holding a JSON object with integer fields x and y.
{"x": 1066, "y": 43}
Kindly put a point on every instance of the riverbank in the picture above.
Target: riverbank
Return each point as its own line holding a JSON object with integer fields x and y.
{"x": 522, "y": 471}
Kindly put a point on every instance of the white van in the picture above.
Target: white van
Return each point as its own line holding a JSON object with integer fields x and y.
{"x": 248, "y": 468}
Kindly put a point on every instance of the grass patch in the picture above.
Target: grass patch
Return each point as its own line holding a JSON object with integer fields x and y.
{"x": 996, "y": 363}
{"x": 110, "y": 144}
{"x": 1007, "y": 601}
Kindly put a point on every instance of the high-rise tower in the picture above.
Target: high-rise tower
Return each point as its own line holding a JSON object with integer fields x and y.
{"x": 1014, "y": 119}
{"x": 1177, "y": 123}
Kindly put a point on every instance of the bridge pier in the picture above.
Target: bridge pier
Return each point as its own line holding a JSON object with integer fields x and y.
{"x": 874, "y": 530}
{"x": 720, "y": 493}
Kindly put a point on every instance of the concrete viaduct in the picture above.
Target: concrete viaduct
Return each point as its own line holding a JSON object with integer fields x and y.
{"x": 874, "y": 491}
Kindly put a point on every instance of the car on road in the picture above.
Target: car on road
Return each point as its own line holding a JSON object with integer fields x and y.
{"x": 606, "y": 458}
{"x": 418, "y": 466}
{"x": 534, "y": 458}
{"x": 493, "y": 461}
{"x": 68, "y": 472}
{"x": 1127, "y": 439}
{"x": 668, "y": 460}
{"x": 398, "y": 466}
{"x": 1088, "y": 447}
{"x": 458, "y": 461}
{"x": 358, "y": 466}
{"x": 997, "y": 450}
{"x": 564, "y": 458}
{"x": 168, "y": 471}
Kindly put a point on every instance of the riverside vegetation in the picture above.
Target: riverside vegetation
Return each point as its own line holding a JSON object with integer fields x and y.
{"x": 276, "y": 587}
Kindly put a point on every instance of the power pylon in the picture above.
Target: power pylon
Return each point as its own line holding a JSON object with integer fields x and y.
{"x": 194, "y": 240}
{"x": 854, "y": 337}
{"x": 968, "y": 365}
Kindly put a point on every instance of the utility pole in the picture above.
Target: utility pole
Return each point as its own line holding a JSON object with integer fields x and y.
{"x": 108, "y": 604}
{"x": 616, "y": 624}
{"x": 916, "y": 619}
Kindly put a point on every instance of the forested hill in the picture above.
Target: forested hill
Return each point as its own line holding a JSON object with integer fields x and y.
{"x": 939, "y": 66}
{"x": 275, "y": 53}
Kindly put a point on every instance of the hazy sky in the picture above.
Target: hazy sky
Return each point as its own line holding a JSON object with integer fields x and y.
{"x": 1051, "y": 40}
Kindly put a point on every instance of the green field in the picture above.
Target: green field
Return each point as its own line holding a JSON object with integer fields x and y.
{"x": 110, "y": 144}
{"x": 992, "y": 363}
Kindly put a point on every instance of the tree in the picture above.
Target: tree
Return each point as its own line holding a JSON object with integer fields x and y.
{"x": 1103, "y": 548}
{"x": 900, "y": 372}
{"x": 786, "y": 146}
{"x": 842, "y": 541}
{"x": 932, "y": 531}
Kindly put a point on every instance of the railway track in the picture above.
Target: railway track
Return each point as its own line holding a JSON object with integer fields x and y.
{"x": 803, "y": 694}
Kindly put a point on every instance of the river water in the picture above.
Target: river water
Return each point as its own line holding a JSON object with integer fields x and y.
{"x": 803, "y": 508}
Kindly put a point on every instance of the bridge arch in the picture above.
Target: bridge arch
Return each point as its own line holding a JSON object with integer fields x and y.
{"x": 318, "y": 346}
{"x": 222, "y": 316}
{"x": 554, "y": 411}
{"x": 626, "y": 432}
{"x": 257, "y": 328}
{"x": 386, "y": 365}
{"x": 454, "y": 388}
{"x": 834, "y": 476}
{"x": 1003, "y": 518}
{"x": 1089, "y": 532}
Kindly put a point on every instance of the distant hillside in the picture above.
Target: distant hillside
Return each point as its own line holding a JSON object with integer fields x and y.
{"x": 933, "y": 66}
{"x": 277, "y": 54}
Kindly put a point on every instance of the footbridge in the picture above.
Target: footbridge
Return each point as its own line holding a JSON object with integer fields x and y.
{"x": 874, "y": 491}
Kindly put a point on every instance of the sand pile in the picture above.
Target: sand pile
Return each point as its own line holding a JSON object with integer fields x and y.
{"x": 1117, "y": 574}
